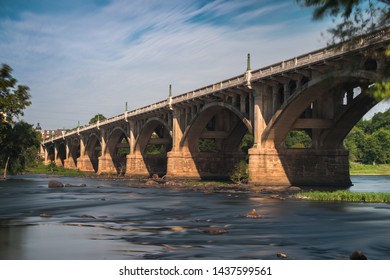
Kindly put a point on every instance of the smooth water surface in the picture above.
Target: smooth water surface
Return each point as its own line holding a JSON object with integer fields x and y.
{"x": 110, "y": 219}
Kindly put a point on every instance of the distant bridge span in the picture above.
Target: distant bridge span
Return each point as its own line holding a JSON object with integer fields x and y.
{"x": 324, "y": 93}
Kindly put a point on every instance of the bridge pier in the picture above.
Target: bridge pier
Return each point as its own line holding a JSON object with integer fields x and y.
{"x": 84, "y": 163}
{"x": 69, "y": 163}
{"x": 106, "y": 165}
{"x": 198, "y": 165}
{"x": 135, "y": 166}
{"x": 299, "y": 167}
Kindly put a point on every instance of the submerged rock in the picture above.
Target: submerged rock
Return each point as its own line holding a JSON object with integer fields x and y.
{"x": 215, "y": 230}
{"x": 44, "y": 215}
{"x": 55, "y": 184}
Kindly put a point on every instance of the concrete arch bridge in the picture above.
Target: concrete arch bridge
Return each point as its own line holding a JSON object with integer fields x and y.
{"x": 324, "y": 92}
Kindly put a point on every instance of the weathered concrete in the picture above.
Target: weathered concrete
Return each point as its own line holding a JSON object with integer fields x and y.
{"x": 299, "y": 167}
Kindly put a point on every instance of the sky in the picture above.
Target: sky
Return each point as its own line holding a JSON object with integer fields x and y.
{"x": 81, "y": 58}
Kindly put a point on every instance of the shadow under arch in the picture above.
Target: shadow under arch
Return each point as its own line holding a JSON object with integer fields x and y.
{"x": 61, "y": 154}
{"x": 118, "y": 148}
{"x": 153, "y": 143}
{"x": 225, "y": 126}
{"x": 93, "y": 150}
{"x": 50, "y": 152}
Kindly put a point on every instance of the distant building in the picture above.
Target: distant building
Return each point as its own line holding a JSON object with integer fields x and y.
{"x": 47, "y": 134}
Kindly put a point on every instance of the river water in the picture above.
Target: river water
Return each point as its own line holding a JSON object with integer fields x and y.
{"x": 111, "y": 219}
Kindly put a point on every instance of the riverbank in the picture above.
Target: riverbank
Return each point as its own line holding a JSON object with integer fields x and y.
{"x": 369, "y": 169}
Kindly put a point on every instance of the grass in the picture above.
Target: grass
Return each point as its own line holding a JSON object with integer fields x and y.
{"x": 57, "y": 171}
{"x": 345, "y": 196}
{"x": 364, "y": 169}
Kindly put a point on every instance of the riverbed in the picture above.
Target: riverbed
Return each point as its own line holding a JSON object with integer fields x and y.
{"x": 118, "y": 219}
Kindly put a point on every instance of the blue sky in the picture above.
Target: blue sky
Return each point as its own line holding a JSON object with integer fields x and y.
{"x": 80, "y": 58}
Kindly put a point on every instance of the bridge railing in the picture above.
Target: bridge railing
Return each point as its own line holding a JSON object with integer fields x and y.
{"x": 359, "y": 43}
{"x": 323, "y": 54}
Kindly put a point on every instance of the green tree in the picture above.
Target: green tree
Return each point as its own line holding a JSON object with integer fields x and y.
{"x": 19, "y": 147}
{"x": 351, "y": 17}
{"x": 19, "y": 143}
{"x": 369, "y": 141}
{"x": 298, "y": 139}
{"x": 96, "y": 118}
{"x": 354, "y": 143}
{"x": 14, "y": 98}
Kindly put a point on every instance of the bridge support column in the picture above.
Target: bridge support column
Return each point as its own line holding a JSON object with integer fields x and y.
{"x": 46, "y": 160}
{"x": 182, "y": 165}
{"x": 57, "y": 158}
{"x": 199, "y": 165}
{"x": 135, "y": 166}
{"x": 106, "y": 165}
{"x": 299, "y": 167}
{"x": 85, "y": 164}
{"x": 69, "y": 162}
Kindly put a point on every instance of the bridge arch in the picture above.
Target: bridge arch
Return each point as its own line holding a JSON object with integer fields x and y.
{"x": 153, "y": 126}
{"x": 224, "y": 126}
{"x": 232, "y": 137}
{"x": 117, "y": 148}
{"x": 150, "y": 150}
{"x": 332, "y": 86}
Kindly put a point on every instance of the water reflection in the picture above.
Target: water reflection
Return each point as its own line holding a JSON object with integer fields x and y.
{"x": 118, "y": 220}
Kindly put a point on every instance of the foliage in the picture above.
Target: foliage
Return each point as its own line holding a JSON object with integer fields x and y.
{"x": 53, "y": 169}
{"x": 369, "y": 141}
{"x": 96, "y": 118}
{"x": 351, "y": 17}
{"x": 13, "y": 98}
{"x": 240, "y": 172}
{"x": 207, "y": 145}
{"x": 155, "y": 149}
{"x": 247, "y": 142}
{"x": 298, "y": 139}
{"x": 346, "y": 196}
{"x": 20, "y": 143}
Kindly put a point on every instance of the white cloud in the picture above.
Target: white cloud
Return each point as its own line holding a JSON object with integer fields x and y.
{"x": 79, "y": 64}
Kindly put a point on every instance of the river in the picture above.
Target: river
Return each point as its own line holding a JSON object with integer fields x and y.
{"x": 109, "y": 219}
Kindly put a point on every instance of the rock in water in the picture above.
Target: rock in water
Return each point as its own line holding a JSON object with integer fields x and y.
{"x": 357, "y": 255}
{"x": 55, "y": 184}
{"x": 252, "y": 214}
{"x": 282, "y": 255}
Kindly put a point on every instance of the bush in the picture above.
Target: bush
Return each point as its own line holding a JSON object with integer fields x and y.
{"x": 240, "y": 172}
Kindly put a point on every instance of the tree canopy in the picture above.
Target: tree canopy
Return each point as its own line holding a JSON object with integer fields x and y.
{"x": 351, "y": 17}
{"x": 96, "y": 118}
{"x": 369, "y": 140}
{"x": 19, "y": 142}
{"x": 13, "y": 98}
